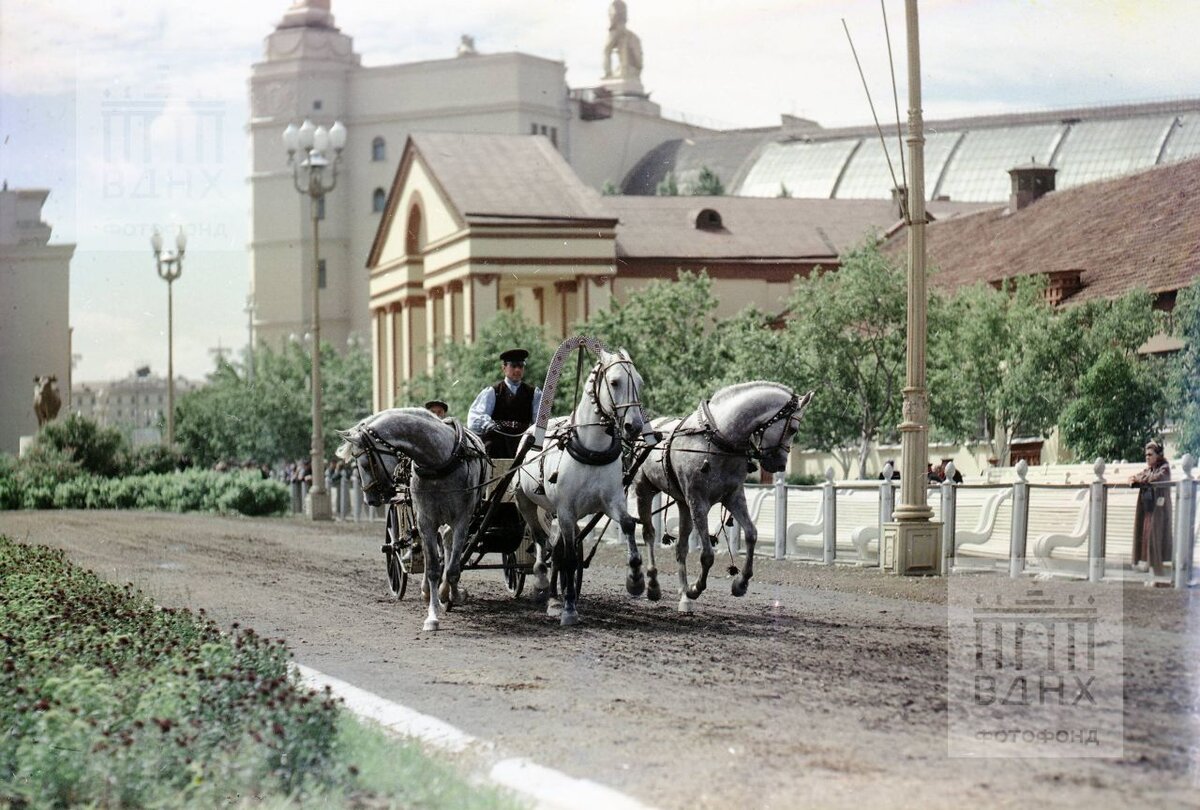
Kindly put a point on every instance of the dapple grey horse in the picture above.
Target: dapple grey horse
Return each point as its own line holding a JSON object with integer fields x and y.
{"x": 450, "y": 467}
{"x": 703, "y": 461}
{"x": 579, "y": 473}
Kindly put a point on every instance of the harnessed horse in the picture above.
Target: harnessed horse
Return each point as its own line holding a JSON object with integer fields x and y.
{"x": 579, "y": 473}
{"x": 448, "y": 473}
{"x": 704, "y": 461}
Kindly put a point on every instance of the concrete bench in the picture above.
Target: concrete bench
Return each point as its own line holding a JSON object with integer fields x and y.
{"x": 988, "y": 538}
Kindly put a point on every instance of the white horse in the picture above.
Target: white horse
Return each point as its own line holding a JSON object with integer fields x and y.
{"x": 579, "y": 473}
{"x": 704, "y": 461}
{"x": 450, "y": 467}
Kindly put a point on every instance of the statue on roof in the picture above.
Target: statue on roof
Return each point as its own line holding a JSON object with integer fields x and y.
{"x": 624, "y": 43}
{"x": 466, "y": 46}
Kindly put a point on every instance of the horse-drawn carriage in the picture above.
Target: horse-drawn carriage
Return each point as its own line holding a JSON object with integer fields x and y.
{"x": 504, "y": 534}
{"x": 443, "y": 496}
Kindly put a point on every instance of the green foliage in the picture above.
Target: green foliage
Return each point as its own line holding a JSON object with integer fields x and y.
{"x": 667, "y": 327}
{"x": 95, "y": 449}
{"x": 707, "y": 184}
{"x": 845, "y": 338}
{"x": 1184, "y": 380}
{"x": 50, "y": 482}
{"x": 269, "y": 417}
{"x": 609, "y": 189}
{"x": 1116, "y": 409}
{"x": 463, "y": 369}
{"x": 107, "y": 700}
{"x": 153, "y": 458}
{"x": 668, "y": 186}
{"x": 995, "y": 364}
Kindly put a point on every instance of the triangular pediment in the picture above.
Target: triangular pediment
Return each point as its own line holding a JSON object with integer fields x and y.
{"x": 415, "y": 185}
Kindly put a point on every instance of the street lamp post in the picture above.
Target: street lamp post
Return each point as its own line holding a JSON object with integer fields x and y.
{"x": 170, "y": 267}
{"x": 309, "y": 177}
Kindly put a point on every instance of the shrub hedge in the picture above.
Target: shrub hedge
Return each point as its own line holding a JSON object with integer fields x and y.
{"x": 54, "y": 482}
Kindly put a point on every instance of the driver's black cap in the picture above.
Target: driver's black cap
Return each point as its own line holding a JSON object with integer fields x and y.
{"x": 514, "y": 356}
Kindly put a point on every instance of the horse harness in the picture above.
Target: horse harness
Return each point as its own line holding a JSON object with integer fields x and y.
{"x": 570, "y": 438}
{"x": 751, "y": 448}
{"x": 378, "y": 447}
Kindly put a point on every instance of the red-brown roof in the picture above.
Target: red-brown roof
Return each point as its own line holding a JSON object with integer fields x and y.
{"x": 1139, "y": 231}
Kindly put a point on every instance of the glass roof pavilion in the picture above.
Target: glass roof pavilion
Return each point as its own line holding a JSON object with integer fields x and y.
{"x": 966, "y": 159}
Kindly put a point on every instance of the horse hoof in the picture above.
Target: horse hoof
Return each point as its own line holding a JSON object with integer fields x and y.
{"x": 541, "y": 595}
{"x": 694, "y": 593}
{"x": 430, "y": 625}
{"x": 635, "y": 585}
{"x": 653, "y": 592}
{"x": 686, "y": 606}
{"x": 568, "y": 618}
{"x": 739, "y": 588}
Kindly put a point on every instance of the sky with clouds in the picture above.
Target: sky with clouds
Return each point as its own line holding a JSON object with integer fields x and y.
{"x": 88, "y": 90}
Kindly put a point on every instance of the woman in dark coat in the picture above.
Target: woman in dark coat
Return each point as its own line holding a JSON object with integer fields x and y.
{"x": 1152, "y": 522}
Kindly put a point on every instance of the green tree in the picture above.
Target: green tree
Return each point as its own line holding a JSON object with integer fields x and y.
{"x": 668, "y": 186}
{"x": 667, "y": 327}
{"x": 1115, "y": 410}
{"x": 609, "y": 189}
{"x": 269, "y": 418}
{"x": 995, "y": 365}
{"x": 845, "y": 331}
{"x": 98, "y": 450}
{"x": 707, "y": 184}
{"x": 1184, "y": 380}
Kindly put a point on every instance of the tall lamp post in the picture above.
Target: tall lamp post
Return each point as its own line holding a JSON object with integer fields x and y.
{"x": 170, "y": 267}
{"x": 309, "y": 177}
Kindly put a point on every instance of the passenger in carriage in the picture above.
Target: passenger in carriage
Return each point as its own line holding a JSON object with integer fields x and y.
{"x": 437, "y": 408}
{"x": 504, "y": 411}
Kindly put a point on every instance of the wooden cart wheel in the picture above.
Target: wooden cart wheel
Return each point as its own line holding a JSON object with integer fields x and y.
{"x": 397, "y": 568}
{"x": 514, "y": 575}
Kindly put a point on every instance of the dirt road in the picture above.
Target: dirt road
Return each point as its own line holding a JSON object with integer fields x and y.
{"x": 821, "y": 688}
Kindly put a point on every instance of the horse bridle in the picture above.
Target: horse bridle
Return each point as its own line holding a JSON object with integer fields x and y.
{"x": 753, "y": 445}
{"x": 599, "y": 458}
{"x": 379, "y": 474}
{"x": 600, "y": 373}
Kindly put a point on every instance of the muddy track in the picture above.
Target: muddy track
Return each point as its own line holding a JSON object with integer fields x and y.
{"x": 823, "y": 687}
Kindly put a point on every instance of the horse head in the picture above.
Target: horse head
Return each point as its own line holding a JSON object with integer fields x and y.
{"x": 762, "y": 418}
{"x": 617, "y": 391}
{"x": 775, "y": 442}
{"x": 374, "y": 469}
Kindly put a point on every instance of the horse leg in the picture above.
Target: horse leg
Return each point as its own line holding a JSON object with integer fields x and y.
{"x": 433, "y": 575}
{"x": 645, "y": 505}
{"x": 681, "y": 553}
{"x": 741, "y": 513}
{"x": 570, "y": 562}
{"x": 529, "y": 512}
{"x": 458, "y": 534}
{"x": 635, "y": 580}
{"x": 700, "y": 527}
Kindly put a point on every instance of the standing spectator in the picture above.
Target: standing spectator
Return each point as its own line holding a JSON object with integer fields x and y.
{"x": 1152, "y": 520}
{"x": 437, "y": 408}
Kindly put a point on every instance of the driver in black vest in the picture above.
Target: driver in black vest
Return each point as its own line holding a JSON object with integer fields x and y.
{"x": 502, "y": 412}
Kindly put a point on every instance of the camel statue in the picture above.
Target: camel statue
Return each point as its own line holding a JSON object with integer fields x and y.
{"x": 46, "y": 400}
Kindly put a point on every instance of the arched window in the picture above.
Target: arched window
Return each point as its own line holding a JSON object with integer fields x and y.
{"x": 378, "y": 200}
{"x": 379, "y": 149}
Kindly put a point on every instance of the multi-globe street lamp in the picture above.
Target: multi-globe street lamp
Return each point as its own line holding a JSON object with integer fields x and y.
{"x": 309, "y": 177}
{"x": 170, "y": 267}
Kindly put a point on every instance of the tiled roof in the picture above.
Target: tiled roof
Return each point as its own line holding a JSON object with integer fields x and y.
{"x": 752, "y": 228}
{"x": 506, "y": 175}
{"x": 1136, "y": 231}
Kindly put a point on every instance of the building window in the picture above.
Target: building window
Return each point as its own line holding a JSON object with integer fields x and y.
{"x": 321, "y": 207}
{"x": 321, "y": 274}
{"x": 378, "y": 149}
{"x": 317, "y": 104}
{"x": 554, "y": 136}
{"x": 378, "y": 200}
{"x": 533, "y": 129}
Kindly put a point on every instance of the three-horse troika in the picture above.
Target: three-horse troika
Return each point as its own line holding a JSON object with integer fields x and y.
{"x": 455, "y": 497}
